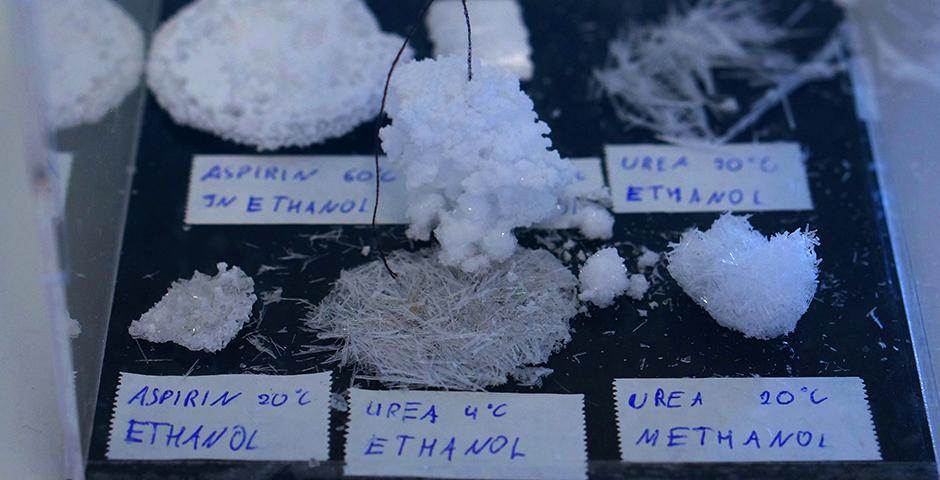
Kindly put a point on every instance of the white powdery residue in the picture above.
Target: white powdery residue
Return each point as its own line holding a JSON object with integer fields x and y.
{"x": 203, "y": 313}
{"x": 639, "y": 285}
{"x": 75, "y": 328}
{"x": 275, "y": 295}
{"x": 338, "y": 402}
{"x": 759, "y": 286}
{"x": 477, "y": 162}
{"x": 647, "y": 259}
{"x": 603, "y": 278}
{"x": 438, "y": 326}
{"x": 271, "y": 74}
{"x": 530, "y": 376}
{"x": 663, "y": 77}
{"x": 92, "y": 53}
{"x": 499, "y": 36}
{"x": 593, "y": 220}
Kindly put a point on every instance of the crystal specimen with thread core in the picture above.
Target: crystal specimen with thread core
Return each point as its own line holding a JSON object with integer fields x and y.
{"x": 757, "y": 285}
{"x": 271, "y": 74}
{"x": 203, "y": 313}
{"x": 477, "y": 161}
{"x": 604, "y": 277}
{"x": 438, "y": 326}
{"x": 93, "y": 54}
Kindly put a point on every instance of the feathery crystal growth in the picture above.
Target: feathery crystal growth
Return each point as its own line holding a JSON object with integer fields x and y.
{"x": 757, "y": 285}
{"x": 438, "y": 326}
{"x": 663, "y": 77}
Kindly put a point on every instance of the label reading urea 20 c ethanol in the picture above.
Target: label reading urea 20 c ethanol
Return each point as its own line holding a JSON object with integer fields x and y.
{"x": 715, "y": 178}
{"x": 744, "y": 420}
{"x": 466, "y": 435}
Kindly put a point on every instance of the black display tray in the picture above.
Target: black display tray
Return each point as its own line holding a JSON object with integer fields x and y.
{"x": 835, "y": 338}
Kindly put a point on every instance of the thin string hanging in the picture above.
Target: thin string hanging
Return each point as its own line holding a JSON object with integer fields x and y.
{"x": 466, "y": 16}
{"x": 378, "y": 120}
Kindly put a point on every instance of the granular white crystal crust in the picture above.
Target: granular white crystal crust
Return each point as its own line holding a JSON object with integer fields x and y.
{"x": 272, "y": 74}
{"x": 92, "y": 53}
{"x": 203, "y": 313}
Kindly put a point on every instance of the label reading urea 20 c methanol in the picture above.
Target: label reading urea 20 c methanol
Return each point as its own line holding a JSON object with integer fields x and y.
{"x": 744, "y": 420}
{"x": 718, "y": 178}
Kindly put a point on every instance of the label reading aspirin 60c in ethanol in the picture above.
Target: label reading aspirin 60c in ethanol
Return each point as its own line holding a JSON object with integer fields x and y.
{"x": 221, "y": 417}
{"x": 323, "y": 190}
{"x": 713, "y": 178}
{"x": 744, "y": 420}
{"x": 252, "y": 189}
{"x": 466, "y": 435}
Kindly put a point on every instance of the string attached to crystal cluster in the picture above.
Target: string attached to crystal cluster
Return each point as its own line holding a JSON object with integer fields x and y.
{"x": 378, "y": 120}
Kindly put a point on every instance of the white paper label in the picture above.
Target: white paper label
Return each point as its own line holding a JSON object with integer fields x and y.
{"x": 719, "y": 178}
{"x": 338, "y": 190}
{"x": 466, "y": 435}
{"x": 231, "y": 189}
{"x": 223, "y": 417}
{"x": 744, "y": 420}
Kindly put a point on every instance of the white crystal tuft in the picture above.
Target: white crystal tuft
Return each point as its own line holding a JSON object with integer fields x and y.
{"x": 603, "y": 278}
{"x": 759, "y": 286}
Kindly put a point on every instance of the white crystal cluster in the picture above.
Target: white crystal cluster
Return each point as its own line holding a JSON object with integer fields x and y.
{"x": 438, "y": 326}
{"x": 604, "y": 277}
{"x": 92, "y": 52}
{"x": 271, "y": 74}
{"x": 477, "y": 161}
{"x": 203, "y": 313}
{"x": 500, "y": 36}
{"x": 759, "y": 286}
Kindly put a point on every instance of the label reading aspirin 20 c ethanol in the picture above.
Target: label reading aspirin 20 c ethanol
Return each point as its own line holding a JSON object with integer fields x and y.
{"x": 466, "y": 435}
{"x": 328, "y": 190}
{"x": 716, "y": 178}
{"x": 744, "y": 420}
{"x": 221, "y": 417}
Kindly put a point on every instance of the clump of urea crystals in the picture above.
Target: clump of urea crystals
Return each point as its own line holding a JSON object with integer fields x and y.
{"x": 759, "y": 286}
{"x": 273, "y": 73}
{"x": 662, "y": 77}
{"x": 604, "y": 277}
{"x": 476, "y": 160}
{"x": 202, "y": 313}
{"x": 92, "y": 53}
{"x": 438, "y": 326}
